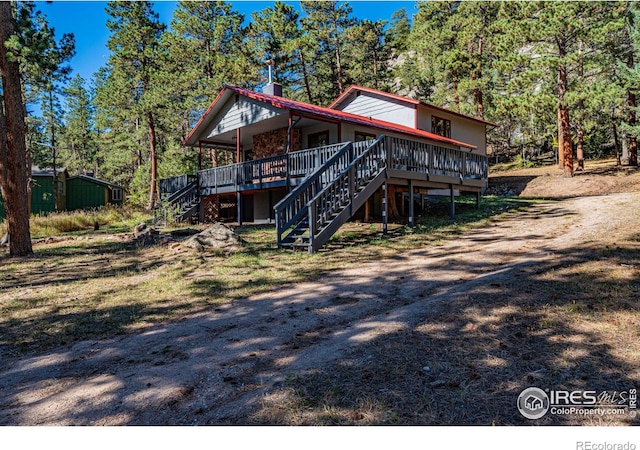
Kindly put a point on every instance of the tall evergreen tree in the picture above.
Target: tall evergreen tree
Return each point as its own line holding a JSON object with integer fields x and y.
{"x": 550, "y": 36}
{"x": 29, "y": 57}
{"x": 274, "y": 34}
{"x": 79, "y": 150}
{"x": 325, "y": 23}
{"x": 14, "y": 170}
{"x": 134, "y": 42}
{"x": 629, "y": 72}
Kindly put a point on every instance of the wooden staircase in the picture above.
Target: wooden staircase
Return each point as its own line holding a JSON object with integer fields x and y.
{"x": 315, "y": 210}
{"x": 181, "y": 206}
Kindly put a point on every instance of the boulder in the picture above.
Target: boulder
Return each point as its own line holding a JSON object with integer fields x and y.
{"x": 4, "y": 240}
{"x": 218, "y": 237}
{"x": 145, "y": 235}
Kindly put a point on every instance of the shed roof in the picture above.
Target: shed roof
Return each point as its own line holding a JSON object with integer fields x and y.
{"x": 96, "y": 181}
{"x": 46, "y": 172}
{"x": 309, "y": 110}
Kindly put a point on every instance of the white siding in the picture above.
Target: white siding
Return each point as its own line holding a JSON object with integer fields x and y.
{"x": 462, "y": 129}
{"x": 240, "y": 113}
{"x": 381, "y": 108}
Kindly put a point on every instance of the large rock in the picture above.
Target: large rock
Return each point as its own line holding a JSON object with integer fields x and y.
{"x": 145, "y": 235}
{"x": 217, "y": 236}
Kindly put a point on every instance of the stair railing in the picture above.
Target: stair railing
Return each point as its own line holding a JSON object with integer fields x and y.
{"x": 294, "y": 206}
{"x": 344, "y": 189}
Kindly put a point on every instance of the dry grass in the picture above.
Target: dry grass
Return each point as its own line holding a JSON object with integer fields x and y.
{"x": 95, "y": 285}
{"x": 571, "y": 323}
{"x": 109, "y": 218}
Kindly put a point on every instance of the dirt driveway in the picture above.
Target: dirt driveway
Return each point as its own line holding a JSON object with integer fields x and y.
{"x": 236, "y": 364}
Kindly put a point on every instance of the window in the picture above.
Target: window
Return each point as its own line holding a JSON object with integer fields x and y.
{"x": 116, "y": 194}
{"x": 441, "y": 127}
{"x": 362, "y": 136}
{"x": 319, "y": 139}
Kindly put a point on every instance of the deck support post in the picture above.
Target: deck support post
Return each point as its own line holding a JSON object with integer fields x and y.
{"x": 411, "y": 207}
{"x": 452, "y": 200}
{"x": 239, "y": 196}
{"x": 478, "y": 200}
{"x": 384, "y": 208}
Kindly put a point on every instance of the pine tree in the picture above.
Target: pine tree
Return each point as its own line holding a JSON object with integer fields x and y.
{"x": 135, "y": 46}
{"x": 79, "y": 150}
{"x": 324, "y": 24}
{"x": 547, "y": 37}
{"x": 274, "y": 34}
{"x": 368, "y": 54}
{"x": 14, "y": 170}
{"x": 29, "y": 57}
{"x": 629, "y": 72}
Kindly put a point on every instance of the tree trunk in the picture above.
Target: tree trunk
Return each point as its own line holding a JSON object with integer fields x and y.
{"x": 153, "y": 191}
{"x": 616, "y": 142}
{"x": 305, "y": 77}
{"x": 567, "y": 152}
{"x": 477, "y": 92}
{"x": 56, "y": 199}
{"x": 580, "y": 146}
{"x": 14, "y": 172}
{"x": 633, "y": 143}
{"x": 624, "y": 159}
{"x": 560, "y": 142}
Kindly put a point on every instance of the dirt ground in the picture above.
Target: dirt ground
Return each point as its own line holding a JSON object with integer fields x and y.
{"x": 256, "y": 360}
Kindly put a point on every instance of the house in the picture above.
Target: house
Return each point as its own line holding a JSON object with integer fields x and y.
{"x": 86, "y": 191}
{"x": 78, "y": 192}
{"x": 291, "y": 157}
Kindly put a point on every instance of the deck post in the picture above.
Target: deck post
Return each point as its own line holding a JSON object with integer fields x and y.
{"x": 239, "y": 197}
{"x": 384, "y": 208}
{"x": 478, "y": 200}
{"x": 452, "y": 206}
{"x": 411, "y": 207}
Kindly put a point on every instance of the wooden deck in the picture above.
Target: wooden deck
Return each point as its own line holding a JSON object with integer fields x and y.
{"x": 325, "y": 186}
{"x": 426, "y": 164}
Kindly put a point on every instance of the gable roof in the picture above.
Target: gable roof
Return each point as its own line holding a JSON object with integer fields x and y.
{"x": 312, "y": 111}
{"x": 46, "y": 172}
{"x": 355, "y": 88}
{"x": 96, "y": 181}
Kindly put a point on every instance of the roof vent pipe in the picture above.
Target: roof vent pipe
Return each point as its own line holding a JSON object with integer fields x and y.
{"x": 272, "y": 88}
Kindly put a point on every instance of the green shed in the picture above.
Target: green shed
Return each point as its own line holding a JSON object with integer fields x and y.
{"x": 84, "y": 192}
{"x": 42, "y": 199}
{"x": 42, "y": 196}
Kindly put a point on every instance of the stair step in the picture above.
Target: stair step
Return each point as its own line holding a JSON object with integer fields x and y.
{"x": 294, "y": 245}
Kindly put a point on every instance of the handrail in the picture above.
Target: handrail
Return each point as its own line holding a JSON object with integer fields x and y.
{"x": 291, "y": 208}
{"x": 271, "y": 168}
{"x": 173, "y": 198}
{"x": 344, "y": 187}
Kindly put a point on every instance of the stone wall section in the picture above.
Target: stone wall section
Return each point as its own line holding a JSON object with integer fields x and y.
{"x": 274, "y": 143}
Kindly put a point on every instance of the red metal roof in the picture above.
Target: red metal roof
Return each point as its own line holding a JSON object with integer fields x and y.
{"x": 326, "y": 113}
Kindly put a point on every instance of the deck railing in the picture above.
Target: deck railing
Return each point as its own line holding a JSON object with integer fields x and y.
{"x": 171, "y": 185}
{"x": 403, "y": 155}
{"x": 298, "y": 164}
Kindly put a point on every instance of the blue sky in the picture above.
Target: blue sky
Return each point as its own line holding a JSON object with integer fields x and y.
{"x": 87, "y": 21}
